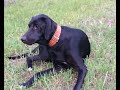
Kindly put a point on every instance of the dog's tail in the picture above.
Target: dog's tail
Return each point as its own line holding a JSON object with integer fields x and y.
{"x": 22, "y": 55}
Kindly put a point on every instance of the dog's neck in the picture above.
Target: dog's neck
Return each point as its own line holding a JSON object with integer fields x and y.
{"x": 55, "y": 36}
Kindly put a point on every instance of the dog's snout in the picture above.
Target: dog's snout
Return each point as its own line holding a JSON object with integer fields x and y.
{"x": 23, "y": 39}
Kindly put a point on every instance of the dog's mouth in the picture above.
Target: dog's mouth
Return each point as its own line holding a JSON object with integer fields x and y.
{"x": 28, "y": 43}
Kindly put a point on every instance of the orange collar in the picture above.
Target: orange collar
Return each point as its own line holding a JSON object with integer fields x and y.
{"x": 55, "y": 37}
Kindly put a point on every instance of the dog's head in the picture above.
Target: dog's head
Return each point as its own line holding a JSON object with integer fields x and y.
{"x": 41, "y": 29}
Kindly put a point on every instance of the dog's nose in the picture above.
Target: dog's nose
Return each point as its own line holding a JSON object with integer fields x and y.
{"x": 23, "y": 39}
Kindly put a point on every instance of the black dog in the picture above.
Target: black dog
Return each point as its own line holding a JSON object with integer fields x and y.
{"x": 66, "y": 47}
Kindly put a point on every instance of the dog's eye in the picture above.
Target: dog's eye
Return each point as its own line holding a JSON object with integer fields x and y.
{"x": 35, "y": 27}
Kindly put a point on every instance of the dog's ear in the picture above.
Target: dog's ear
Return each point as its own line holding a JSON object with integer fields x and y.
{"x": 49, "y": 26}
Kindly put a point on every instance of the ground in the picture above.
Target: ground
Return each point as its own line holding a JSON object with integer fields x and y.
{"x": 95, "y": 17}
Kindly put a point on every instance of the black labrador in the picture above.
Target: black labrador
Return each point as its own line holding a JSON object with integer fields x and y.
{"x": 66, "y": 47}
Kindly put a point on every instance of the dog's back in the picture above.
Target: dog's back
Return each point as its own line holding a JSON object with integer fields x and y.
{"x": 80, "y": 37}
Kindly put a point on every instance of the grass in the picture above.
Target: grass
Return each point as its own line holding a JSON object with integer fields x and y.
{"x": 95, "y": 17}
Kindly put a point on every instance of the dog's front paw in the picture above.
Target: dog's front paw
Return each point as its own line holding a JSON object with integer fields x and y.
{"x": 29, "y": 69}
{"x": 22, "y": 85}
{"x": 25, "y": 85}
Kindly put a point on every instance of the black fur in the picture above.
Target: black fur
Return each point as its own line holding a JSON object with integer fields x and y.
{"x": 70, "y": 51}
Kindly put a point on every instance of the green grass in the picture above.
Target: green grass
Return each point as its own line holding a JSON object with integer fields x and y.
{"x": 95, "y": 17}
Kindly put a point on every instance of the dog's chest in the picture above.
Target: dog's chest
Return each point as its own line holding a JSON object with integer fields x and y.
{"x": 57, "y": 55}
